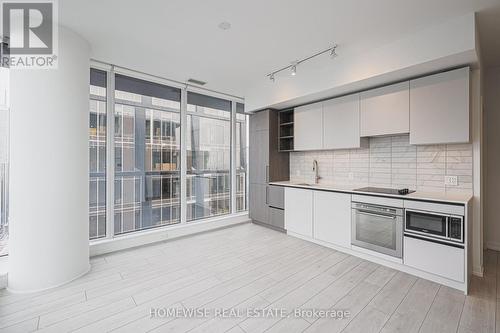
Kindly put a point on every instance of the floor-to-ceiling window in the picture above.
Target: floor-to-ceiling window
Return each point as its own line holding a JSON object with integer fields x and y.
{"x": 97, "y": 154}
{"x": 4, "y": 161}
{"x": 208, "y": 156}
{"x": 135, "y": 154}
{"x": 241, "y": 158}
{"x": 147, "y": 154}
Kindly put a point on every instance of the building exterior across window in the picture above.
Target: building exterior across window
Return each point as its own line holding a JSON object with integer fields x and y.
{"x": 146, "y": 143}
{"x": 97, "y": 154}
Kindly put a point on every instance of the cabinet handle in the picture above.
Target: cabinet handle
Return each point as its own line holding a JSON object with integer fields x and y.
{"x": 267, "y": 173}
{"x": 267, "y": 195}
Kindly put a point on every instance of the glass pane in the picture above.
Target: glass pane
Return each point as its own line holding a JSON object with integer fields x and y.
{"x": 147, "y": 155}
{"x": 208, "y": 157}
{"x": 241, "y": 158}
{"x": 376, "y": 231}
{"x": 4, "y": 176}
{"x": 432, "y": 223}
{"x": 97, "y": 155}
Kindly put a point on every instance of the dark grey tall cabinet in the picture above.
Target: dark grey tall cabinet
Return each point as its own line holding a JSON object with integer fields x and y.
{"x": 266, "y": 165}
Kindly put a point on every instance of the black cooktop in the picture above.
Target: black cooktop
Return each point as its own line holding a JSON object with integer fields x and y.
{"x": 393, "y": 191}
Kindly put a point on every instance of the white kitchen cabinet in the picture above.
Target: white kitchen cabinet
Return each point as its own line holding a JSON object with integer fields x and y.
{"x": 299, "y": 211}
{"x": 332, "y": 218}
{"x": 385, "y": 110}
{"x": 439, "y": 108}
{"x": 341, "y": 123}
{"x": 443, "y": 260}
{"x": 308, "y": 127}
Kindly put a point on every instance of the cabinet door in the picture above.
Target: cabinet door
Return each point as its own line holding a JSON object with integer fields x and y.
{"x": 386, "y": 110}
{"x": 276, "y": 196}
{"x": 276, "y": 217}
{"x": 341, "y": 123}
{"x": 308, "y": 127}
{"x": 258, "y": 205}
{"x": 332, "y": 218}
{"x": 299, "y": 211}
{"x": 439, "y": 108}
{"x": 259, "y": 157}
{"x": 259, "y": 121}
{"x": 442, "y": 260}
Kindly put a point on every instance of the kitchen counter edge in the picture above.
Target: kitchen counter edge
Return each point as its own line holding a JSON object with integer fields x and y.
{"x": 457, "y": 199}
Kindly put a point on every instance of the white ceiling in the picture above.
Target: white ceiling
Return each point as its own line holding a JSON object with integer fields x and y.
{"x": 179, "y": 39}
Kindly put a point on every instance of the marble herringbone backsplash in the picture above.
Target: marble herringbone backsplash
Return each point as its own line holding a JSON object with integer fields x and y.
{"x": 389, "y": 162}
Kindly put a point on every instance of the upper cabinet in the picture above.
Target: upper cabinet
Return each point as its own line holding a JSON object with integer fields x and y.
{"x": 386, "y": 110}
{"x": 308, "y": 127}
{"x": 333, "y": 124}
{"x": 439, "y": 108}
{"x": 433, "y": 109}
{"x": 341, "y": 123}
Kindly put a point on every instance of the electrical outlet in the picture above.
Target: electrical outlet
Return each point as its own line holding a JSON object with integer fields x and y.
{"x": 451, "y": 180}
{"x": 351, "y": 175}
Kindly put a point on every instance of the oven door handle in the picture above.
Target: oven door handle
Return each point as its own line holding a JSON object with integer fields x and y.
{"x": 362, "y": 212}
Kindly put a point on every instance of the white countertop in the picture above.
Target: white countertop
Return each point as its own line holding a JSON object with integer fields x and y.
{"x": 454, "y": 198}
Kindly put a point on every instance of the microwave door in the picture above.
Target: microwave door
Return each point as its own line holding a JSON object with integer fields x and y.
{"x": 426, "y": 224}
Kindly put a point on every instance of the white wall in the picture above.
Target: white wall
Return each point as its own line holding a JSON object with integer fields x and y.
{"x": 48, "y": 241}
{"x": 452, "y": 43}
{"x": 491, "y": 105}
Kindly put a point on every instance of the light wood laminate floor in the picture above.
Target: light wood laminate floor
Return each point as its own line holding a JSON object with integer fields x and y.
{"x": 251, "y": 267}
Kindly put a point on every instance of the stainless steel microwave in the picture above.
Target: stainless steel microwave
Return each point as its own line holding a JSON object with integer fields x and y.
{"x": 435, "y": 225}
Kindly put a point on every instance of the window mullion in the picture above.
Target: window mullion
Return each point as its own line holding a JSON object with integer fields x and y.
{"x": 232, "y": 184}
{"x": 110, "y": 154}
{"x": 183, "y": 180}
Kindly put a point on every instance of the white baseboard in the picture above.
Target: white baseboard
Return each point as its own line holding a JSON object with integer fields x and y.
{"x": 376, "y": 258}
{"x": 493, "y": 245}
{"x": 136, "y": 239}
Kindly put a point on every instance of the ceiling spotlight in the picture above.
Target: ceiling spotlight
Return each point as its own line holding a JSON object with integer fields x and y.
{"x": 333, "y": 51}
{"x": 224, "y": 25}
{"x": 294, "y": 70}
{"x": 271, "y": 77}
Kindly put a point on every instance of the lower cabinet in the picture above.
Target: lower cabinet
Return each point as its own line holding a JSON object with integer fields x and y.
{"x": 332, "y": 217}
{"x": 299, "y": 211}
{"x": 258, "y": 204}
{"x": 277, "y": 217}
{"x": 443, "y": 260}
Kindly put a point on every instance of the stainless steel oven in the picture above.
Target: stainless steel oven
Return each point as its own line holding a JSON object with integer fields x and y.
{"x": 378, "y": 228}
{"x": 435, "y": 225}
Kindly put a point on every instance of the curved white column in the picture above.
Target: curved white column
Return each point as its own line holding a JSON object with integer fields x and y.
{"x": 48, "y": 241}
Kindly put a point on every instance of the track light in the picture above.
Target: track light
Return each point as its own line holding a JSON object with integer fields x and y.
{"x": 333, "y": 52}
{"x": 293, "y": 66}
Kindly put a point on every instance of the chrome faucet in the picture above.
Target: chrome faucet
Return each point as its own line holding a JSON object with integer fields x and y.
{"x": 316, "y": 172}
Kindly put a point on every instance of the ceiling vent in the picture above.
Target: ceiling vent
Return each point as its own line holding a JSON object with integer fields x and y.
{"x": 198, "y": 82}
